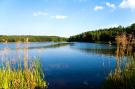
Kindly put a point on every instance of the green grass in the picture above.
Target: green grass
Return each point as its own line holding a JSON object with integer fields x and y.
{"x": 11, "y": 78}
{"x": 24, "y": 73}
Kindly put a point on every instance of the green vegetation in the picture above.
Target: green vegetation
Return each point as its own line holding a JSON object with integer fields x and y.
{"x": 123, "y": 78}
{"x": 11, "y": 78}
{"x": 19, "y": 72}
{"x": 32, "y": 38}
{"x": 106, "y": 35}
{"x": 102, "y": 35}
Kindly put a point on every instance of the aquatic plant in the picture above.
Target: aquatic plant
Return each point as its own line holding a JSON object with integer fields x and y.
{"x": 123, "y": 78}
{"x": 21, "y": 74}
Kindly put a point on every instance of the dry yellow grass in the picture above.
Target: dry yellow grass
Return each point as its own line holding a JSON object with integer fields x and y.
{"x": 123, "y": 78}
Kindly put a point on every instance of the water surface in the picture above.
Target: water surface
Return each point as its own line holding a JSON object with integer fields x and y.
{"x": 72, "y": 65}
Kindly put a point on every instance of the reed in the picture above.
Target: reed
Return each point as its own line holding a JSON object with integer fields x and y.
{"x": 15, "y": 75}
{"x": 123, "y": 78}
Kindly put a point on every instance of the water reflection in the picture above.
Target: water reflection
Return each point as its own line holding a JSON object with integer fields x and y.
{"x": 72, "y": 65}
{"x": 50, "y": 46}
{"x": 102, "y": 49}
{"x": 34, "y": 45}
{"x": 68, "y": 67}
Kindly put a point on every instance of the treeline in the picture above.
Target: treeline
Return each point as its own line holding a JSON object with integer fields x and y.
{"x": 32, "y": 38}
{"x": 103, "y": 35}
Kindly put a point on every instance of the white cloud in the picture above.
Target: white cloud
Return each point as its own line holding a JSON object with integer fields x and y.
{"x": 59, "y": 17}
{"x": 108, "y": 26}
{"x": 40, "y": 13}
{"x": 98, "y": 8}
{"x": 111, "y": 5}
{"x": 127, "y": 4}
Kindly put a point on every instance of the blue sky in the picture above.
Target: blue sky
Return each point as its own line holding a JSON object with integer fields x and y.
{"x": 63, "y": 17}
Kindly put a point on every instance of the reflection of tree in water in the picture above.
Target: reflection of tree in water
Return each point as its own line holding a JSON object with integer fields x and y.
{"x": 50, "y": 46}
{"x": 123, "y": 78}
{"x": 103, "y": 51}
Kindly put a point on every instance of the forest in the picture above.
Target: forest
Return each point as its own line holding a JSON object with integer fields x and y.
{"x": 103, "y": 35}
{"x": 32, "y": 38}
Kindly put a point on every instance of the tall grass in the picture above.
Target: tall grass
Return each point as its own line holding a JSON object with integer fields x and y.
{"x": 18, "y": 74}
{"x": 123, "y": 78}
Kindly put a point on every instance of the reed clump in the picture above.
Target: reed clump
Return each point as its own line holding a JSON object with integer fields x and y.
{"x": 123, "y": 77}
{"x": 21, "y": 74}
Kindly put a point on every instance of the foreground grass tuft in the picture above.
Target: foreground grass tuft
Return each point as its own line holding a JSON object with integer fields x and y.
{"x": 123, "y": 78}
{"x": 21, "y": 79}
{"x": 21, "y": 75}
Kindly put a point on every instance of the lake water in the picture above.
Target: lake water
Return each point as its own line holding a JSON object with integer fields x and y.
{"x": 72, "y": 65}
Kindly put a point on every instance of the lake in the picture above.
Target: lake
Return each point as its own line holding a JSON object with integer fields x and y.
{"x": 72, "y": 65}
